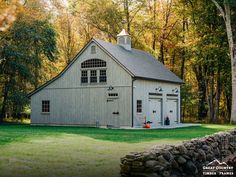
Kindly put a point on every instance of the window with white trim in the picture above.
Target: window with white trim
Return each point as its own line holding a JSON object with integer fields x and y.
{"x": 139, "y": 106}
{"x": 45, "y": 106}
{"x": 93, "y": 71}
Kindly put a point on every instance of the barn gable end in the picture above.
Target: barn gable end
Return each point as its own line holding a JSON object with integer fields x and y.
{"x": 67, "y": 79}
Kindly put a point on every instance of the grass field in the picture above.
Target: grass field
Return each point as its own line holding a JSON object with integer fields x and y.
{"x": 31, "y": 151}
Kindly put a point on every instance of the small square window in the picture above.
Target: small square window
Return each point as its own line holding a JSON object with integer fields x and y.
{"x": 45, "y": 106}
{"x": 139, "y": 106}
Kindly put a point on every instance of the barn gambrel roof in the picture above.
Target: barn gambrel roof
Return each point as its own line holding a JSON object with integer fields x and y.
{"x": 138, "y": 63}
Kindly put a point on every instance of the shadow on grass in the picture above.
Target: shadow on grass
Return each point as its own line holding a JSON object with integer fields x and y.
{"x": 12, "y": 132}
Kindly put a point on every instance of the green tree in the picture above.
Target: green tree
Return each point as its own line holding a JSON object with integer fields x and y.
{"x": 22, "y": 50}
{"x": 225, "y": 10}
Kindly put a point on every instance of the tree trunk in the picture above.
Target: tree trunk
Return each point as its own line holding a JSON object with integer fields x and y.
{"x": 154, "y": 38}
{"x": 226, "y": 14}
{"x": 232, "y": 49}
{"x": 173, "y": 60}
{"x": 36, "y": 77}
{"x": 211, "y": 100}
{"x": 217, "y": 99}
{"x": 162, "y": 52}
{"x": 183, "y": 51}
{"x": 202, "y": 89}
{"x": 3, "y": 110}
{"x": 126, "y": 9}
{"x": 68, "y": 48}
{"x": 228, "y": 105}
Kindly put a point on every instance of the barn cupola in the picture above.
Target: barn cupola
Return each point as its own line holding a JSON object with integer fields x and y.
{"x": 124, "y": 40}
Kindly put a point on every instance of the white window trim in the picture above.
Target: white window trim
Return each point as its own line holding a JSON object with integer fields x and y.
{"x": 141, "y": 106}
{"x": 89, "y": 75}
{"x": 42, "y": 107}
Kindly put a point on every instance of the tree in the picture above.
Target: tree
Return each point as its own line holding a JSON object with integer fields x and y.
{"x": 7, "y": 14}
{"x": 225, "y": 12}
{"x": 107, "y": 20}
{"x": 23, "y": 49}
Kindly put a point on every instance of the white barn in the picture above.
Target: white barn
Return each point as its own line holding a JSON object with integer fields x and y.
{"x": 109, "y": 85}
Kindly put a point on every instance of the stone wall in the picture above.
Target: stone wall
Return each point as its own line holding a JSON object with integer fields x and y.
{"x": 181, "y": 160}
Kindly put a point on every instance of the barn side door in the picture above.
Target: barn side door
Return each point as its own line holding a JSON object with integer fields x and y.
{"x": 172, "y": 110}
{"x": 155, "y": 112}
{"x": 113, "y": 112}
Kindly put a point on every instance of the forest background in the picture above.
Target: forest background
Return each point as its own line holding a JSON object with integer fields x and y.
{"x": 38, "y": 38}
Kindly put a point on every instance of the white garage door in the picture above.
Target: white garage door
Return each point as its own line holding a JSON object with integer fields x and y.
{"x": 172, "y": 110}
{"x": 155, "y": 112}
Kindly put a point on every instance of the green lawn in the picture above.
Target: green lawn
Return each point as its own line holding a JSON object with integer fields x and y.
{"x": 80, "y": 152}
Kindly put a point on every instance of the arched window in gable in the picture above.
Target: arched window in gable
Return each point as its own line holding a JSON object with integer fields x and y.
{"x": 93, "y": 63}
{"x": 93, "y": 71}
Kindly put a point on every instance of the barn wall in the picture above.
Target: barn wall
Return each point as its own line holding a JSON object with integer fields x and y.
{"x": 142, "y": 88}
{"x": 73, "y": 103}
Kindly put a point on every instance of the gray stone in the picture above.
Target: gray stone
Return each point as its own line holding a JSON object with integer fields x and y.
{"x": 209, "y": 157}
{"x": 190, "y": 168}
{"x": 174, "y": 164}
{"x": 137, "y": 163}
{"x": 206, "y": 148}
{"x": 167, "y": 155}
{"x": 166, "y": 174}
{"x": 214, "y": 145}
{"x": 181, "y": 160}
{"x": 162, "y": 160}
{"x": 122, "y": 159}
{"x": 182, "y": 149}
{"x": 124, "y": 168}
{"x": 151, "y": 163}
{"x": 201, "y": 155}
{"x": 149, "y": 156}
{"x": 186, "y": 157}
{"x": 130, "y": 156}
{"x": 175, "y": 152}
{"x": 139, "y": 158}
{"x": 126, "y": 162}
{"x": 158, "y": 168}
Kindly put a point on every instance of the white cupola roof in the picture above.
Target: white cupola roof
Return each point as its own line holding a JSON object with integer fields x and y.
{"x": 124, "y": 40}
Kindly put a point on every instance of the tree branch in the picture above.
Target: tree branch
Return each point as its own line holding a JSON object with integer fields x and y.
{"x": 220, "y": 8}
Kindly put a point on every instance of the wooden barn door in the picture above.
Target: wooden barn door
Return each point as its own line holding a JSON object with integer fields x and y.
{"x": 172, "y": 110}
{"x": 155, "y": 112}
{"x": 113, "y": 112}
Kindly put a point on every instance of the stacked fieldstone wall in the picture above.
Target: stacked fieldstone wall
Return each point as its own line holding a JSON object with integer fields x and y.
{"x": 184, "y": 160}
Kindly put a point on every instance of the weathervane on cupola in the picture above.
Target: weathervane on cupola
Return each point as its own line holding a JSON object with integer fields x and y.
{"x": 124, "y": 40}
